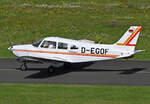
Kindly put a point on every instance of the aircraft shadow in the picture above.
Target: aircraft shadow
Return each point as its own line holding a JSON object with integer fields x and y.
{"x": 44, "y": 74}
{"x": 122, "y": 71}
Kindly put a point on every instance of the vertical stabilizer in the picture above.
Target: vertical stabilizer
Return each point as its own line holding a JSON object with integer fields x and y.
{"x": 128, "y": 41}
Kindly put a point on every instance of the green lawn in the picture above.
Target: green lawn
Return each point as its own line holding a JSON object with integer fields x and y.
{"x": 72, "y": 94}
{"x": 26, "y": 21}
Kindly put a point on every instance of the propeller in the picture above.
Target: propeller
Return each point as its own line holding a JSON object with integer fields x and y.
{"x": 10, "y": 43}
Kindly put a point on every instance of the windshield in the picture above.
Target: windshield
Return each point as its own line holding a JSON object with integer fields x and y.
{"x": 36, "y": 44}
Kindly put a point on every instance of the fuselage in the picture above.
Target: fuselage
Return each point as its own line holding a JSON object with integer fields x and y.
{"x": 68, "y": 50}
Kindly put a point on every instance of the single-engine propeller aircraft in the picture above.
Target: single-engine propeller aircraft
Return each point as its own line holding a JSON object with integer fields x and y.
{"x": 60, "y": 51}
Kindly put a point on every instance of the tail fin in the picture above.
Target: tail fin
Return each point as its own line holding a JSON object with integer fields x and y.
{"x": 129, "y": 39}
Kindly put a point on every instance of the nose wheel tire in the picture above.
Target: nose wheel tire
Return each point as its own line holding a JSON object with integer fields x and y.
{"x": 23, "y": 67}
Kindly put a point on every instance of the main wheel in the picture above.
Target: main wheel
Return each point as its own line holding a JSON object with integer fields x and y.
{"x": 23, "y": 67}
{"x": 67, "y": 65}
{"x": 51, "y": 69}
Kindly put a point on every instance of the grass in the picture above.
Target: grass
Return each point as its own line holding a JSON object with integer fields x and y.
{"x": 26, "y": 21}
{"x": 72, "y": 94}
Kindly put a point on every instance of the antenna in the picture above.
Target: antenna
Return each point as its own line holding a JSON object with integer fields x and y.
{"x": 100, "y": 42}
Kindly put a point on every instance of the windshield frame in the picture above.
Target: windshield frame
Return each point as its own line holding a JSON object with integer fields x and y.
{"x": 37, "y": 43}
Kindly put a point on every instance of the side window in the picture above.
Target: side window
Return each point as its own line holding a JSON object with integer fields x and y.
{"x": 62, "y": 45}
{"x": 73, "y": 47}
{"x": 52, "y": 44}
{"x": 49, "y": 44}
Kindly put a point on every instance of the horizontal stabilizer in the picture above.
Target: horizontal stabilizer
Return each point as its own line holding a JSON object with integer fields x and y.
{"x": 138, "y": 51}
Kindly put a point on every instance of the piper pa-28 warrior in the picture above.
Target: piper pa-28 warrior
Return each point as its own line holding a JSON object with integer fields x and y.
{"x": 60, "y": 51}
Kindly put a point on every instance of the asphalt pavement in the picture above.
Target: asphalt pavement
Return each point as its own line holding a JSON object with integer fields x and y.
{"x": 116, "y": 72}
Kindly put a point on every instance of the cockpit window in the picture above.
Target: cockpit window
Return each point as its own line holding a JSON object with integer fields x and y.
{"x": 73, "y": 47}
{"x": 49, "y": 44}
{"x": 62, "y": 45}
{"x": 36, "y": 44}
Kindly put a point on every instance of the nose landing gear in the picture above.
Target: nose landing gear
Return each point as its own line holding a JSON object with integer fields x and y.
{"x": 23, "y": 67}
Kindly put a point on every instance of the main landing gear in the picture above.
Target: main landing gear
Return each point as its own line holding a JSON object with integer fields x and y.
{"x": 51, "y": 69}
{"x": 58, "y": 67}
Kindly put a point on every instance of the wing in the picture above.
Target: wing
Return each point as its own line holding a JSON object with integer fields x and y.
{"x": 39, "y": 60}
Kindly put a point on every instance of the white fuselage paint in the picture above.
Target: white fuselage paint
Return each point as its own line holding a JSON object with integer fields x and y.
{"x": 86, "y": 52}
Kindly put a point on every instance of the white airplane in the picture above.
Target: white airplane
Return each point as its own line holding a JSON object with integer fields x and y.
{"x": 60, "y": 51}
